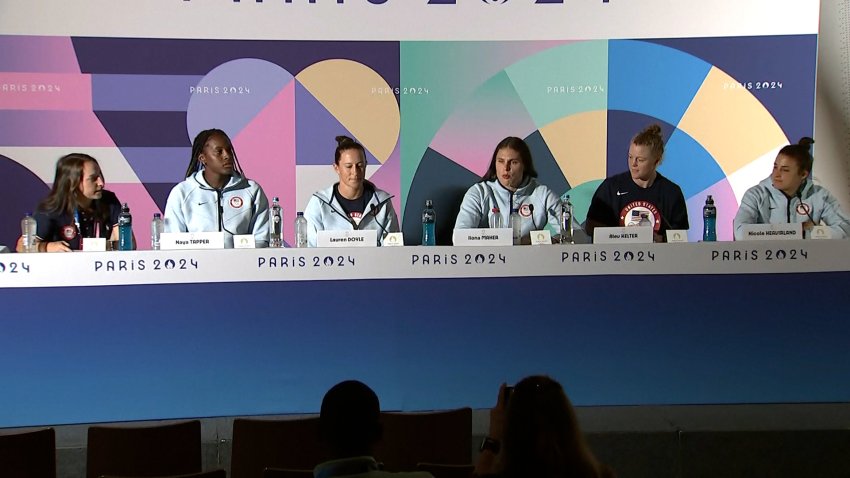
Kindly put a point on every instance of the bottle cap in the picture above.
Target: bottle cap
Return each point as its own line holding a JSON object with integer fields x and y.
{"x": 300, "y": 213}
{"x": 428, "y": 203}
{"x": 496, "y": 209}
{"x": 275, "y": 198}
{"x": 157, "y": 215}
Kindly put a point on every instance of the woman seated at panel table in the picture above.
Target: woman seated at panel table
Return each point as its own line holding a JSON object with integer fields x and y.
{"x": 77, "y": 207}
{"x": 352, "y": 203}
{"x": 640, "y": 195}
{"x": 788, "y": 195}
{"x": 534, "y": 432}
{"x": 510, "y": 182}
{"x": 216, "y": 195}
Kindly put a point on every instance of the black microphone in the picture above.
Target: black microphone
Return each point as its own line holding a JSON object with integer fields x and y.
{"x": 531, "y": 212}
{"x": 807, "y": 208}
{"x": 374, "y": 211}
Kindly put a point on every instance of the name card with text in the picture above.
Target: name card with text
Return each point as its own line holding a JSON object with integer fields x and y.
{"x": 191, "y": 240}
{"x": 364, "y": 238}
{"x": 483, "y": 237}
{"x": 772, "y": 232}
{"x": 623, "y": 235}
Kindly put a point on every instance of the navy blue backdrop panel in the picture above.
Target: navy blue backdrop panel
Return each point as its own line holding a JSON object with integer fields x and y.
{"x": 93, "y": 354}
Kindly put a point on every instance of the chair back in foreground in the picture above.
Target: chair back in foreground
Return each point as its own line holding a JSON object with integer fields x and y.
{"x": 283, "y": 473}
{"x": 203, "y": 474}
{"x": 29, "y": 454}
{"x": 162, "y": 450}
{"x": 283, "y": 444}
{"x": 443, "y": 437}
{"x": 440, "y": 470}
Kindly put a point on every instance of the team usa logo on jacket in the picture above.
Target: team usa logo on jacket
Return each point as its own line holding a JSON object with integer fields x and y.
{"x": 803, "y": 209}
{"x": 69, "y": 232}
{"x": 641, "y": 213}
{"x": 236, "y": 202}
{"x": 525, "y": 210}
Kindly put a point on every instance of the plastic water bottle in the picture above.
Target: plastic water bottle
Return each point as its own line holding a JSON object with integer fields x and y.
{"x": 300, "y": 230}
{"x": 276, "y": 226}
{"x": 567, "y": 221}
{"x": 496, "y": 219}
{"x": 429, "y": 221}
{"x": 709, "y": 220}
{"x": 28, "y": 231}
{"x": 516, "y": 225}
{"x": 125, "y": 229}
{"x": 156, "y": 230}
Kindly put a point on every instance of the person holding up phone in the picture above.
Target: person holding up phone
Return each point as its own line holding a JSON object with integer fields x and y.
{"x": 534, "y": 432}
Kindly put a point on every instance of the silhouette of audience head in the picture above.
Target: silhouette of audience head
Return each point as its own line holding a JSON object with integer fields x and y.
{"x": 542, "y": 434}
{"x": 349, "y": 421}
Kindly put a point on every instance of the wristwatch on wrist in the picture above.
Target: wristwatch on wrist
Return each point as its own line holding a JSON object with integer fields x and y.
{"x": 490, "y": 444}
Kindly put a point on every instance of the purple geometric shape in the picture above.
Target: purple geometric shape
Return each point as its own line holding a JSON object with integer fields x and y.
{"x": 315, "y": 121}
{"x": 33, "y": 54}
{"x": 146, "y": 56}
{"x": 142, "y": 92}
{"x": 232, "y": 94}
{"x": 146, "y": 128}
{"x": 22, "y": 192}
{"x": 158, "y": 165}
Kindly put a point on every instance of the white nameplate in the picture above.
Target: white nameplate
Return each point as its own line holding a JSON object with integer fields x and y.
{"x": 94, "y": 244}
{"x": 393, "y": 239}
{"x": 244, "y": 241}
{"x": 541, "y": 238}
{"x": 623, "y": 235}
{"x": 819, "y": 232}
{"x": 191, "y": 240}
{"x": 483, "y": 237}
{"x": 677, "y": 235}
{"x": 772, "y": 232}
{"x": 359, "y": 238}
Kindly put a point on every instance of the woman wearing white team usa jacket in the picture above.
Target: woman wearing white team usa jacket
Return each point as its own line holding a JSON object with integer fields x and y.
{"x": 790, "y": 196}
{"x": 510, "y": 183}
{"x": 353, "y": 203}
{"x": 216, "y": 196}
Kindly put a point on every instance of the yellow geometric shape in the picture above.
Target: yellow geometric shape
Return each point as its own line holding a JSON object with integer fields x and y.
{"x": 579, "y": 144}
{"x": 360, "y": 99}
{"x": 730, "y": 123}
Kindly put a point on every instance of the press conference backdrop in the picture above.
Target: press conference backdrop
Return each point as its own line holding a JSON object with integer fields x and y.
{"x": 429, "y": 87}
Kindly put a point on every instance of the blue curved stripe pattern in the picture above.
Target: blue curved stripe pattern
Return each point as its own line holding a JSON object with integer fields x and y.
{"x": 652, "y": 79}
{"x": 688, "y": 164}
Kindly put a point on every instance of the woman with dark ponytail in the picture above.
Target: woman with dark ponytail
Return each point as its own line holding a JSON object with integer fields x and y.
{"x": 353, "y": 203}
{"x": 216, "y": 195}
{"x": 788, "y": 195}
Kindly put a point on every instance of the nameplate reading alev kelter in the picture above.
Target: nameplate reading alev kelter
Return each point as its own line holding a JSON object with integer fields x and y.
{"x": 622, "y": 235}
{"x": 483, "y": 237}
{"x": 169, "y": 241}
{"x": 359, "y": 238}
{"x": 772, "y": 232}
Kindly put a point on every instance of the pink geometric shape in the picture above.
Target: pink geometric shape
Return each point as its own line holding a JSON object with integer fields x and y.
{"x": 727, "y": 206}
{"x": 53, "y": 128}
{"x": 45, "y": 91}
{"x": 142, "y": 206}
{"x": 38, "y": 54}
{"x": 266, "y": 149}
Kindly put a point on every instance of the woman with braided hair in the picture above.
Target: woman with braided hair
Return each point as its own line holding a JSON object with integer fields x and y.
{"x": 216, "y": 195}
